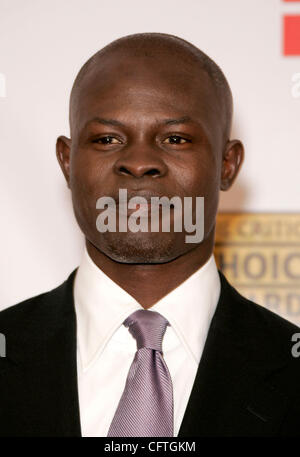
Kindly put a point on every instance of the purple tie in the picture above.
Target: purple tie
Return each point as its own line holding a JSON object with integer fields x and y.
{"x": 146, "y": 406}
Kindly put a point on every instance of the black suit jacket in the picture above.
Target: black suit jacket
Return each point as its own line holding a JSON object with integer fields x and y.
{"x": 247, "y": 383}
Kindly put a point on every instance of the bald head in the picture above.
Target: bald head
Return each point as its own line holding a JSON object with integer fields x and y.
{"x": 157, "y": 47}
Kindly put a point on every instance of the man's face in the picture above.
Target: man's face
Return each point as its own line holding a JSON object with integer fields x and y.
{"x": 161, "y": 134}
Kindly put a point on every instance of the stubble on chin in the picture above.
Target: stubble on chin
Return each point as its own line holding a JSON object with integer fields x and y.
{"x": 139, "y": 249}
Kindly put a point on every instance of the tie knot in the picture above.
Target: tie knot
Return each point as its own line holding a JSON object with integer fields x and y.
{"x": 148, "y": 328}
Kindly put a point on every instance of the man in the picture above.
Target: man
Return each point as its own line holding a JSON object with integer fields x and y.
{"x": 149, "y": 113}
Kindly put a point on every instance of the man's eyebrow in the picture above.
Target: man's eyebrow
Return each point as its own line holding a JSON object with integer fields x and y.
{"x": 116, "y": 123}
{"x": 101, "y": 120}
{"x": 181, "y": 120}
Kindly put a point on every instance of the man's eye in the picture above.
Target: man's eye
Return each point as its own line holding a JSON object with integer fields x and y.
{"x": 176, "y": 139}
{"x": 107, "y": 140}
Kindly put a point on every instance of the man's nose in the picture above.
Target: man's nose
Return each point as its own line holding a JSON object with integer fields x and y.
{"x": 139, "y": 161}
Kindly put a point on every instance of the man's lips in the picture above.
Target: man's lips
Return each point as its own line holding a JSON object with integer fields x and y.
{"x": 146, "y": 194}
{"x": 145, "y": 207}
{"x": 142, "y": 209}
{"x": 143, "y": 202}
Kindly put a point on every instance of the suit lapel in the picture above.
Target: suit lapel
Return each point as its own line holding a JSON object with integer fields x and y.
{"x": 232, "y": 394}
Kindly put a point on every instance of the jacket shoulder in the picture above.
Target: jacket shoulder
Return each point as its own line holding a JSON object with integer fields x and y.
{"x": 44, "y": 306}
{"x": 266, "y": 338}
{"x": 254, "y": 315}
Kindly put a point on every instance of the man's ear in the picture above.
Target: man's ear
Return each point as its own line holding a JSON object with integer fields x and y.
{"x": 63, "y": 152}
{"x": 233, "y": 157}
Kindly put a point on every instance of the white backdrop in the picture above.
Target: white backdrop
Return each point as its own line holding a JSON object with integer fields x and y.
{"x": 43, "y": 43}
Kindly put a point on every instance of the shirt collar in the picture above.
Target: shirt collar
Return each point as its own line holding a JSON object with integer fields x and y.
{"x": 102, "y": 306}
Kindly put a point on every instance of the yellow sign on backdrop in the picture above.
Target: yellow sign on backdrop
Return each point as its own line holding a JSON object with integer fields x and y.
{"x": 259, "y": 253}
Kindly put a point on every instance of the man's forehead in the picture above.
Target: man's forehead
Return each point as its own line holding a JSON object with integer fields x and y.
{"x": 120, "y": 68}
{"x": 177, "y": 92}
{"x": 123, "y": 74}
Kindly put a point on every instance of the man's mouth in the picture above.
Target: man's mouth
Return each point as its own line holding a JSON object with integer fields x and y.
{"x": 145, "y": 202}
{"x": 141, "y": 209}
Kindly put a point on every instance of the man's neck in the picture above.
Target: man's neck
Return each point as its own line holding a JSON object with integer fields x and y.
{"x": 148, "y": 283}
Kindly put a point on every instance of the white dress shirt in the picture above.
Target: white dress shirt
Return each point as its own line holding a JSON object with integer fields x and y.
{"x": 106, "y": 348}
